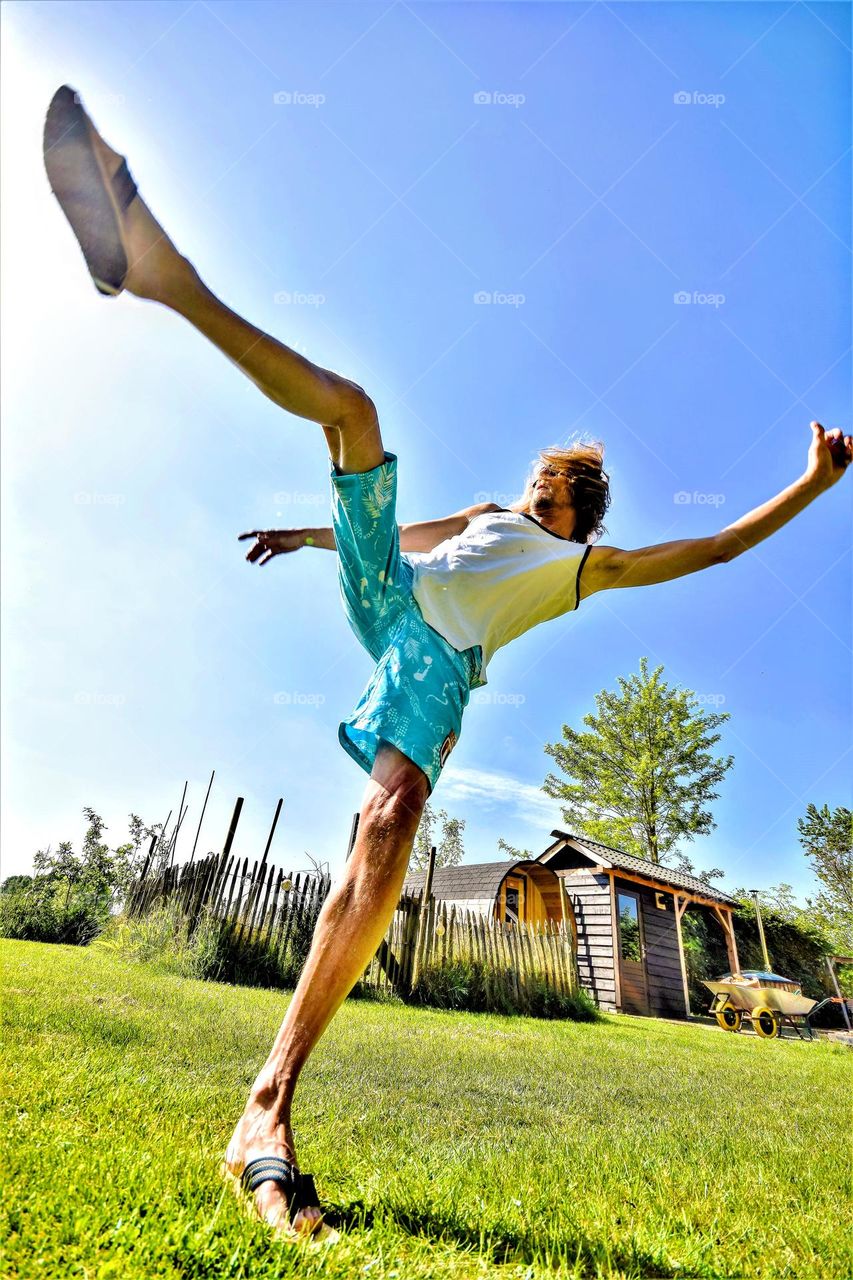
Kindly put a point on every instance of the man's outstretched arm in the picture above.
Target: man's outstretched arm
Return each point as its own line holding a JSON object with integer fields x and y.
{"x": 607, "y": 567}
{"x": 269, "y": 543}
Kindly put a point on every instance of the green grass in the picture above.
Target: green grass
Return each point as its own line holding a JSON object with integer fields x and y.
{"x": 444, "y": 1144}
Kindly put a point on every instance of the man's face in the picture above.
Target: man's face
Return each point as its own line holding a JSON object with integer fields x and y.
{"x": 550, "y": 491}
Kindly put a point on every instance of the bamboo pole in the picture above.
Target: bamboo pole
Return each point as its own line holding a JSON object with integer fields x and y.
{"x": 201, "y": 819}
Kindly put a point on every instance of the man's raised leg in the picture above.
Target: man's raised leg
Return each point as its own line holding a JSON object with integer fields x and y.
{"x": 157, "y": 271}
{"x": 349, "y": 930}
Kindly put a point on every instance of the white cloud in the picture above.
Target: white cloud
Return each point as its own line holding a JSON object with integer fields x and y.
{"x": 492, "y": 790}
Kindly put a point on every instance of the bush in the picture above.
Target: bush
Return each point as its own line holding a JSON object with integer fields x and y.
{"x": 468, "y": 984}
{"x": 28, "y": 917}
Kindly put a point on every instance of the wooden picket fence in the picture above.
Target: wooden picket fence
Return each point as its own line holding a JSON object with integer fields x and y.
{"x": 260, "y": 904}
{"x": 516, "y": 960}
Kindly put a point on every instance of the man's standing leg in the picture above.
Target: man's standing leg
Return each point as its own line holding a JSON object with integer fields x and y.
{"x": 350, "y": 928}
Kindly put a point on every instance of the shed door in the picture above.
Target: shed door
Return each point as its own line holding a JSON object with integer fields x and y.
{"x": 632, "y": 969}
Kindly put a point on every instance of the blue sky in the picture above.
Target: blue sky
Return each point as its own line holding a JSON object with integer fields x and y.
{"x": 334, "y": 176}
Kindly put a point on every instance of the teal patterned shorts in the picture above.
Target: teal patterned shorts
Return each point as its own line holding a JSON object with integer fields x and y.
{"x": 421, "y": 685}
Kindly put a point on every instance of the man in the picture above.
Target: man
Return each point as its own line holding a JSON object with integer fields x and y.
{"x": 431, "y": 603}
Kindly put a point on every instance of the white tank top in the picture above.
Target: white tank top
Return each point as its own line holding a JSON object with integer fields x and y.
{"x": 504, "y": 574}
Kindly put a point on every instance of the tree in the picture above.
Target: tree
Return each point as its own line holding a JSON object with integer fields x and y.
{"x": 511, "y": 852}
{"x": 827, "y": 837}
{"x": 449, "y": 847}
{"x": 641, "y": 779}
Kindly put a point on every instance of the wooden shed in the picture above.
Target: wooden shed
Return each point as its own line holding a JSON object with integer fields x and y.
{"x": 526, "y": 891}
{"x": 628, "y": 913}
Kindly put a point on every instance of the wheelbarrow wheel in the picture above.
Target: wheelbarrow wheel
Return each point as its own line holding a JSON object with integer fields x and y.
{"x": 729, "y": 1018}
{"x": 765, "y": 1022}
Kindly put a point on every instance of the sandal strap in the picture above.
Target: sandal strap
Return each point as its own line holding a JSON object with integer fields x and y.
{"x": 298, "y": 1187}
{"x": 124, "y": 188}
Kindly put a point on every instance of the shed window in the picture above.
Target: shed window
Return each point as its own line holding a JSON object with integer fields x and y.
{"x": 629, "y": 928}
{"x": 513, "y": 901}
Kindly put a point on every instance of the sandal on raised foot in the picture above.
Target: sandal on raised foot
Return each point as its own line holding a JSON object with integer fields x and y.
{"x": 298, "y": 1188}
{"x": 92, "y": 200}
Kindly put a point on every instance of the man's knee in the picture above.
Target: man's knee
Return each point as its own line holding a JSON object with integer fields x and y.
{"x": 357, "y": 411}
{"x": 399, "y": 790}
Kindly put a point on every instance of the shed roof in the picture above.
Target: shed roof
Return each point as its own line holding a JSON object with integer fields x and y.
{"x": 580, "y": 851}
{"x": 474, "y": 880}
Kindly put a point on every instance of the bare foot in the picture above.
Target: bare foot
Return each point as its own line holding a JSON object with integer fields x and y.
{"x": 255, "y": 1137}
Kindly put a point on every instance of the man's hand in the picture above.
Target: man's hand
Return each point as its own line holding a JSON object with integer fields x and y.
{"x": 830, "y": 454}
{"x": 275, "y": 542}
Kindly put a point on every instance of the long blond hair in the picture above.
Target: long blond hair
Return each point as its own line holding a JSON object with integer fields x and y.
{"x": 589, "y": 484}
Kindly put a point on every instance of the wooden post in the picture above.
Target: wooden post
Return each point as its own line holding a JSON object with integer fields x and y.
{"x": 830, "y": 964}
{"x": 680, "y": 908}
{"x": 425, "y": 900}
{"x": 353, "y": 832}
{"x": 764, "y": 950}
{"x": 235, "y": 818}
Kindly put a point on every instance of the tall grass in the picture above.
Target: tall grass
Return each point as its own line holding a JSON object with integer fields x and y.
{"x": 206, "y": 948}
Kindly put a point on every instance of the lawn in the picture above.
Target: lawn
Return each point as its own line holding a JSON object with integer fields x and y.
{"x": 443, "y": 1144}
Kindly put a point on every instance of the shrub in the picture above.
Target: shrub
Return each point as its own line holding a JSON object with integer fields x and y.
{"x": 30, "y": 917}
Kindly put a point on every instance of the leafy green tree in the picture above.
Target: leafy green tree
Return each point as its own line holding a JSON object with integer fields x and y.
{"x": 450, "y": 849}
{"x": 16, "y": 884}
{"x": 642, "y": 776}
{"x": 827, "y": 837}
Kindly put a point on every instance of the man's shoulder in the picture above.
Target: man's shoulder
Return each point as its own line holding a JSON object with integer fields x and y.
{"x": 481, "y": 509}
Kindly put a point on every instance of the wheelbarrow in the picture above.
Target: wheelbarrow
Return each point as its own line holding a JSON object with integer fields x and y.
{"x": 767, "y": 1000}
